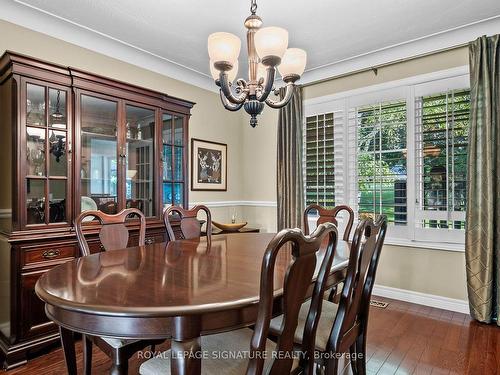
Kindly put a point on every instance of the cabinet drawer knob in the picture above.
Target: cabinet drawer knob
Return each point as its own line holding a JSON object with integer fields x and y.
{"x": 149, "y": 240}
{"x": 49, "y": 254}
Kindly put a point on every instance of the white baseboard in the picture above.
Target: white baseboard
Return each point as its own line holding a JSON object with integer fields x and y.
{"x": 419, "y": 298}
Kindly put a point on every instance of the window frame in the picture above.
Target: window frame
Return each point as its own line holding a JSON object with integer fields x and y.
{"x": 405, "y": 89}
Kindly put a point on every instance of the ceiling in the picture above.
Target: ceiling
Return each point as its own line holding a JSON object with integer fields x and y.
{"x": 331, "y": 31}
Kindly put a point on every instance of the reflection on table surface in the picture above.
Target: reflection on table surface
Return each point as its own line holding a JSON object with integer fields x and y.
{"x": 174, "y": 275}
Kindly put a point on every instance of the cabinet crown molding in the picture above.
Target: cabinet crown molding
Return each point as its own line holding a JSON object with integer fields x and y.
{"x": 17, "y": 63}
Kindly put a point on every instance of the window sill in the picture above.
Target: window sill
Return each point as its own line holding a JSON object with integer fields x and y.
{"x": 395, "y": 241}
{"x": 443, "y": 246}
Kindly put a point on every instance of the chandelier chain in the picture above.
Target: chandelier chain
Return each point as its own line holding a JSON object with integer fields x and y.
{"x": 253, "y": 6}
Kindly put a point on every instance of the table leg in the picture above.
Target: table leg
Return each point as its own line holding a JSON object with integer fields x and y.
{"x": 68, "y": 344}
{"x": 186, "y": 346}
{"x": 120, "y": 362}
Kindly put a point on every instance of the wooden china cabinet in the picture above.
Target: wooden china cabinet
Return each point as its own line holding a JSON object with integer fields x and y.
{"x": 73, "y": 141}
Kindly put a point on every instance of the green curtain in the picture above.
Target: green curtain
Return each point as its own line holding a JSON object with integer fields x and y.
{"x": 290, "y": 189}
{"x": 482, "y": 233}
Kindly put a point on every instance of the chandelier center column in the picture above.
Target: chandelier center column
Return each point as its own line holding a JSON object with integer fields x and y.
{"x": 252, "y": 23}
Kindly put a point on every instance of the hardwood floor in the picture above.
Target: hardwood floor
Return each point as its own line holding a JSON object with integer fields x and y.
{"x": 403, "y": 338}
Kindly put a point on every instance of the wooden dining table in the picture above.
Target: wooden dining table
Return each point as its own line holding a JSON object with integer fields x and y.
{"x": 178, "y": 290}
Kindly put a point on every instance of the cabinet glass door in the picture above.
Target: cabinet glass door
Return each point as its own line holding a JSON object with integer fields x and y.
{"x": 173, "y": 155}
{"x": 99, "y": 157}
{"x": 46, "y": 154}
{"x": 139, "y": 156}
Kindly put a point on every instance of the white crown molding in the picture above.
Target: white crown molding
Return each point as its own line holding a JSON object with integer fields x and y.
{"x": 235, "y": 203}
{"x": 44, "y": 22}
{"x": 440, "y": 302}
{"x": 402, "y": 51}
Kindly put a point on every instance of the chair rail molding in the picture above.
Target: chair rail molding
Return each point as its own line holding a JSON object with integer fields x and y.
{"x": 5, "y": 212}
{"x": 236, "y": 203}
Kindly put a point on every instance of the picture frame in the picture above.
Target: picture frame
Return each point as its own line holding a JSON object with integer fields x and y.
{"x": 208, "y": 165}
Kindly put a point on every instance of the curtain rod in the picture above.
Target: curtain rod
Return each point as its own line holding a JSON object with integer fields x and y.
{"x": 379, "y": 66}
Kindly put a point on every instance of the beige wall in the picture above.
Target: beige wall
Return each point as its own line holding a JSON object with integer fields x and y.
{"x": 430, "y": 271}
{"x": 259, "y": 157}
{"x": 422, "y": 270}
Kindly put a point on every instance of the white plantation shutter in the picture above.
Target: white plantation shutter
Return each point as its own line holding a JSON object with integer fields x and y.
{"x": 324, "y": 150}
{"x": 323, "y": 161}
{"x": 352, "y": 165}
{"x": 441, "y": 139}
{"x": 339, "y": 157}
{"x": 378, "y": 161}
{"x": 319, "y": 160}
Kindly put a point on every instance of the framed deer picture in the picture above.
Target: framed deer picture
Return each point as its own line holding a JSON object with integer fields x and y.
{"x": 208, "y": 165}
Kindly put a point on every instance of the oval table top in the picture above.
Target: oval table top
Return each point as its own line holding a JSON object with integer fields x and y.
{"x": 168, "y": 279}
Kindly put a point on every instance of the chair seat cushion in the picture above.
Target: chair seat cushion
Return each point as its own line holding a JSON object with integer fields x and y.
{"x": 328, "y": 314}
{"x": 219, "y": 352}
{"x": 118, "y": 343}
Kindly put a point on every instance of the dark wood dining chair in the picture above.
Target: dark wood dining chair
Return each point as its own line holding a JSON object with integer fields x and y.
{"x": 342, "y": 327}
{"x": 301, "y": 268}
{"x": 113, "y": 235}
{"x": 329, "y": 216}
{"x": 189, "y": 224}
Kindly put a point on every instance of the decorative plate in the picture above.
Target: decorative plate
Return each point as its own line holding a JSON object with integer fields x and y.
{"x": 88, "y": 204}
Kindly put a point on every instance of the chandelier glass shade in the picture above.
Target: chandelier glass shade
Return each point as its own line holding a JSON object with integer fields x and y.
{"x": 268, "y": 52}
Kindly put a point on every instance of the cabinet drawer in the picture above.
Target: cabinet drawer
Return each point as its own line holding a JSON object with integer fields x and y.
{"x": 48, "y": 253}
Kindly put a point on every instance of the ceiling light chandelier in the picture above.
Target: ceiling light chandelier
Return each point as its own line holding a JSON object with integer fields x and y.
{"x": 267, "y": 51}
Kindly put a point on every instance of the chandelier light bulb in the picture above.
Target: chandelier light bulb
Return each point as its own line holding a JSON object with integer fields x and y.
{"x": 224, "y": 47}
{"x": 293, "y": 62}
{"x": 231, "y": 75}
{"x": 271, "y": 41}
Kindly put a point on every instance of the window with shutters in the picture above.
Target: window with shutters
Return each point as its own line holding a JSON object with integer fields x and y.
{"x": 441, "y": 139}
{"x": 319, "y": 160}
{"x": 401, "y": 153}
{"x": 381, "y": 161}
